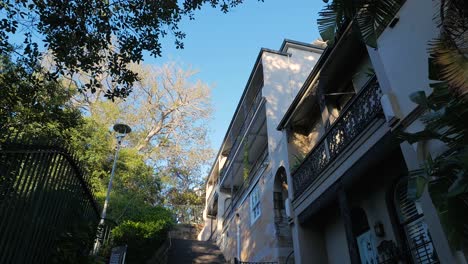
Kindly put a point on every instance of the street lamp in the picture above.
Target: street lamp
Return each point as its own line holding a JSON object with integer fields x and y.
{"x": 122, "y": 130}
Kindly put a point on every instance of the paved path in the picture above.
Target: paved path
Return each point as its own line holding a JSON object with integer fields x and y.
{"x": 187, "y": 251}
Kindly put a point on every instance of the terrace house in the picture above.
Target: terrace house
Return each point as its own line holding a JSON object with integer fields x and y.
{"x": 246, "y": 187}
{"x": 347, "y": 171}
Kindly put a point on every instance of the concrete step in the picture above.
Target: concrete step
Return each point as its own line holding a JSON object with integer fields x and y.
{"x": 189, "y": 251}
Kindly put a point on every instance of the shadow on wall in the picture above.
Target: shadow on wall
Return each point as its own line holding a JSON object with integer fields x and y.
{"x": 285, "y": 75}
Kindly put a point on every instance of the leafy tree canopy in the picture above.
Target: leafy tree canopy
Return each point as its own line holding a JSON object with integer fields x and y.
{"x": 188, "y": 197}
{"x": 45, "y": 111}
{"x": 96, "y": 37}
{"x": 168, "y": 112}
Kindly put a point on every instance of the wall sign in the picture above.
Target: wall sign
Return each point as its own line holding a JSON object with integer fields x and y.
{"x": 118, "y": 255}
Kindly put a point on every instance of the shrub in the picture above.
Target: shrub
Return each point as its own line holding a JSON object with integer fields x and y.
{"x": 144, "y": 237}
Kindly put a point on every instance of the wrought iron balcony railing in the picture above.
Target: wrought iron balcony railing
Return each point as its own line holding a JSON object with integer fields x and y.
{"x": 355, "y": 118}
{"x": 253, "y": 109}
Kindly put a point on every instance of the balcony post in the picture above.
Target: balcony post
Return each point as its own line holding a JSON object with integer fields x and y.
{"x": 232, "y": 190}
{"x": 346, "y": 216}
{"x": 323, "y": 106}
{"x": 324, "y": 114}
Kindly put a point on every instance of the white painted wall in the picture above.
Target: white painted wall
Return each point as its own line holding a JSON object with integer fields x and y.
{"x": 402, "y": 67}
{"x": 401, "y": 60}
{"x": 283, "y": 78}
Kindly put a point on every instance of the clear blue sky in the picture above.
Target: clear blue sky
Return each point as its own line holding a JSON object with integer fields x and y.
{"x": 223, "y": 47}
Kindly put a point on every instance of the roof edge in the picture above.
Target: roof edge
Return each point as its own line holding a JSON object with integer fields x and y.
{"x": 252, "y": 72}
{"x": 299, "y": 44}
{"x": 305, "y": 87}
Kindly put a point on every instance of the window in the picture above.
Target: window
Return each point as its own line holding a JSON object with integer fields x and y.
{"x": 255, "y": 210}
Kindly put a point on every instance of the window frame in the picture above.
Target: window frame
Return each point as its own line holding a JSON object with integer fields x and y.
{"x": 255, "y": 205}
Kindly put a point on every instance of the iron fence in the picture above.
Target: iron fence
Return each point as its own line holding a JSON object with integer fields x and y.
{"x": 420, "y": 253}
{"x": 253, "y": 262}
{"x": 187, "y": 213}
{"x": 48, "y": 213}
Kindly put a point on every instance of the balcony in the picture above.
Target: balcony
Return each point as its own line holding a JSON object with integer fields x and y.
{"x": 258, "y": 167}
{"x": 254, "y": 108}
{"x": 364, "y": 108}
{"x": 212, "y": 202}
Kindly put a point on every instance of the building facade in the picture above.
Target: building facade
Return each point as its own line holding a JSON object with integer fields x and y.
{"x": 316, "y": 172}
{"x": 347, "y": 168}
{"x": 245, "y": 212}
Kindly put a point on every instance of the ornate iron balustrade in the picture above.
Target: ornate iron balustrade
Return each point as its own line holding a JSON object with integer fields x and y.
{"x": 355, "y": 118}
{"x": 255, "y": 105}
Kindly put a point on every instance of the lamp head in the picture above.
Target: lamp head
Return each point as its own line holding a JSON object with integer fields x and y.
{"x": 122, "y": 129}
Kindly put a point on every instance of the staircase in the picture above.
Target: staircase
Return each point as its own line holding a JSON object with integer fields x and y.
{"x": 185, "y": 249}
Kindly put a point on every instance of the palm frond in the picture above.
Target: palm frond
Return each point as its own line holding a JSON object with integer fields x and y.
{"x": 373, "y": 17}
{"x": 333, "y": 16}
{"x": 327, "y": 24}
{"x": 329, "y": 21}
{"x": 454, "y": 23}
{"x": 453, "y": 64}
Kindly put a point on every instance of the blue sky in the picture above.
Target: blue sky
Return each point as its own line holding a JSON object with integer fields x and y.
{"x": 223, "y": 47}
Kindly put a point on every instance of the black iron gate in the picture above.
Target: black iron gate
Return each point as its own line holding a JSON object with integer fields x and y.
{"x": 47, "y": 210}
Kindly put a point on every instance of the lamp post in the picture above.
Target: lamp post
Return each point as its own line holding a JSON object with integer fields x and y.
{"x": 122, "y": 130}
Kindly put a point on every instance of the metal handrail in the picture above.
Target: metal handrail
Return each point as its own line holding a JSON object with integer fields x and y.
{"x": 287, "y": 258}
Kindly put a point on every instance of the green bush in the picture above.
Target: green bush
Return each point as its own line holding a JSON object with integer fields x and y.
{"x": 144, "y": 237}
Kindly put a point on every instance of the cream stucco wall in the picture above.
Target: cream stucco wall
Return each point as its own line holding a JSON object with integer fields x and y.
{"x": 401, "y": 60}
{"x": 335, "y": 241}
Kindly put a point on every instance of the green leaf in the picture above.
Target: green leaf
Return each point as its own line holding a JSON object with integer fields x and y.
{"x": 416, "y": 185}
{"x": 433, "y": 115}
{"x": 420, "y": 98}
{"x": 328, "y": 23}
{"x": 373, "y": 17}
{"x": 458, "y": 187}
{"x": 451, "y": 63}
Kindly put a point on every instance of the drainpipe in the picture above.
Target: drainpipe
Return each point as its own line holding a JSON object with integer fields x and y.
{"x": 238, "y": 237}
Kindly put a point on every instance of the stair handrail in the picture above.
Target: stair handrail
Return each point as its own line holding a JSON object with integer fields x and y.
{"x": 287, "y": 258}
{"x": 161, "y": 255}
